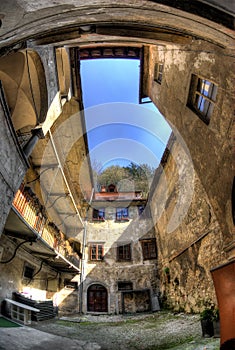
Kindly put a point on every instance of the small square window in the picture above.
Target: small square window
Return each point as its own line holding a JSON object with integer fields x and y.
{"x": 141, "y": 209}
{"x": 202, "y": 97}
{"x": 125, "y": 286}
{"x": 68, "y": 284}
{"x": 99, "y": 214}
{"x": 122, "y": 214}
{"x": 96, "y": 251}
{"x": 149, "y": 248}
{"x": 158, "y": 72}
{"x": 124, "y": 252}
{"x": 28, "y": 272}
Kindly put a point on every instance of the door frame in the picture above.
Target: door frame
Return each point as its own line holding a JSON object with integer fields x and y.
{"x": 108, "y": 298}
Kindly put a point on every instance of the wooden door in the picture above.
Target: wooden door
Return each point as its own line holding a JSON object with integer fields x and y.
{"x": 97, "y": 298}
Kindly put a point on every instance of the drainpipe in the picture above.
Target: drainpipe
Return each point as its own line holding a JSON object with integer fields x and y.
{"x": 64, "y": 177}
{"x": 82, "y": 274}
{"x": 37, "y": 134}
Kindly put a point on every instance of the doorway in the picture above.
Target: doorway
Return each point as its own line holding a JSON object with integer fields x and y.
{"x": 97, "y": 298}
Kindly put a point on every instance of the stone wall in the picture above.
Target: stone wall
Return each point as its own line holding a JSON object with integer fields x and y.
{"x": 108, "y": 272}
{"x": 210, "y": 146}
{"x": 13, "y": 164}
{"x": 190, "y": 248}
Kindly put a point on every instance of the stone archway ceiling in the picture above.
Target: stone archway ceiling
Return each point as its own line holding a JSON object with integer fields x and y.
{"x": 25, "y": 89}
{"x": 69, "y": 20}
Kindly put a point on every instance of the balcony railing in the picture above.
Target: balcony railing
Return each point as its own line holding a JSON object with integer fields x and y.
{"x": 30, "y": 209}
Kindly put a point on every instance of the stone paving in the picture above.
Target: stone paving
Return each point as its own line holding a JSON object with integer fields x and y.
{"x": 160, "y": 331}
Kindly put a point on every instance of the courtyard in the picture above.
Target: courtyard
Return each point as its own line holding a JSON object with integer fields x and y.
{"x": 161, "y": 330}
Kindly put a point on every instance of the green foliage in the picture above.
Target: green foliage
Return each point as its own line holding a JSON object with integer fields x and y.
{"x": 131, "y": 178}
{"x": 207, "y": 314}
{"x": 112, "y": 175}
{"x": 216, "y": 316}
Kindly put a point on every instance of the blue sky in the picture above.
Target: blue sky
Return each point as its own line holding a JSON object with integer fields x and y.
{"x": 120, "y": 130}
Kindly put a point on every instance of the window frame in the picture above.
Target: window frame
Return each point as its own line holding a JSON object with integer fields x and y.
{"x": 141, "y": 209}
{"x": 202, "y": 97}
{"x": 124, "y": 286}
{"x": 98, "y": 253}
{"x": 158, "y": 72}
{"x": 28, "y": 271}
{"x": 122, "y": 214}
{"x": 98, "y": 212}
{"x": 124, "y": 252}
{"x": 149, "y": 248}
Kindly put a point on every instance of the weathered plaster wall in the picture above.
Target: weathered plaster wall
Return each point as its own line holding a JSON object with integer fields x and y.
{"x": 195, "y": 245}
{"x": 12, "y": 273}
{"x": 47, "y": 284}
{"x": 210, "y": 146}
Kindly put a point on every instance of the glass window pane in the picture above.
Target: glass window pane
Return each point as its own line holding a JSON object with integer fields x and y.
{"x": 200, "y": 103}
{"x": 93, "y": 252}
{"x": 100, "y": 252}
{"x": 210, "y": 110}
{"x": 122, "y": 213}
{"x": 214, "y": 93}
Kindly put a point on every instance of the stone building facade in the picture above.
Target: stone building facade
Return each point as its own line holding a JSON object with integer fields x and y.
{"x": 120, "y": 258}
{"x": 189, "y": 243}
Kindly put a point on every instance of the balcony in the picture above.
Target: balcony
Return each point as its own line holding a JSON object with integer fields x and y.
{"x": 27, "y": 221}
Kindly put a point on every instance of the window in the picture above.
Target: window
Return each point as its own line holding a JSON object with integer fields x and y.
{"x": 124, "y": 252}
{"x": 99, "y": 214}
{"x": 141, "y": 209}
{"x": 68, "y": 284}
{"x": 202, "y": 96}
{"x": 112, "y": 188}
{"x": 158, "y": 72}
{"x": 125, "y": 286}
{"x": 96, "y": 251}
{"x": 149, "y": 248}
{"x": 28, "y": 272}
{"x": 122, "y": 214}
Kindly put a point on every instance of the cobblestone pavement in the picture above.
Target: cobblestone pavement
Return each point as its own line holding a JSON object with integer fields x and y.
{"x": 162, "y": 330}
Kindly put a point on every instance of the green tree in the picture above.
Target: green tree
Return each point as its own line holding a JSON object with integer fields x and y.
{"x": 112, "y": 175}
{"x": 142, "y": 176}
{"x": 131, "y": 178}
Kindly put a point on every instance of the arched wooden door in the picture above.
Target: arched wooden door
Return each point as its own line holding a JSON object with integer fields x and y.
{"x": 97, "y": 298}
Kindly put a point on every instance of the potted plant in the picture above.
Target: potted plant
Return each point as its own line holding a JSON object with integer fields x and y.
{"x": 216, "y": 323}
{"x": 206, "y": 317}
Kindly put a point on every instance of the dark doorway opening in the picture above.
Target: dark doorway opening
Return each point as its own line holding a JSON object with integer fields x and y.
{"x": 97, "y": 298}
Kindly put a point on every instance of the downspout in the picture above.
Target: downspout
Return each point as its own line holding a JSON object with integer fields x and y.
{"x": 82, "y": 274}
{"x": 64, "y": 177}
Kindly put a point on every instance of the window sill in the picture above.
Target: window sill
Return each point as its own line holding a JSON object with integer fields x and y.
{"x": 98, "y": 220}
{"x": 145, "y": 259}
{"x": 122, "y": 220}
{"x": 203, "y": 118}
{"x": 124, "y": 260}
{"x": 95, "y": 261}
